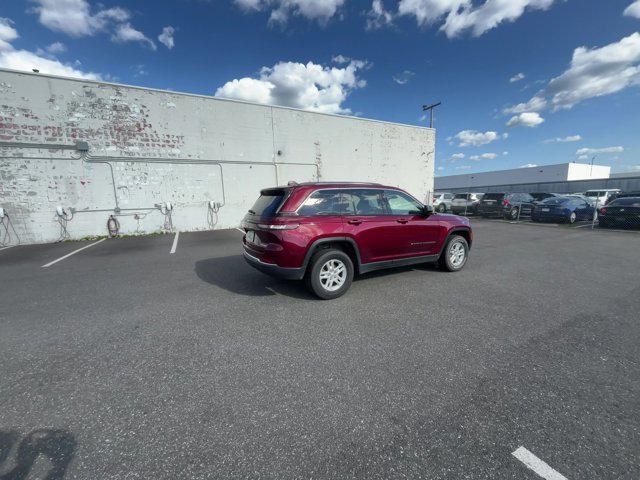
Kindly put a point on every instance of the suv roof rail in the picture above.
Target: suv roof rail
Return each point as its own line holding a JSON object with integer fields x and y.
{"x": 337, "y": 182}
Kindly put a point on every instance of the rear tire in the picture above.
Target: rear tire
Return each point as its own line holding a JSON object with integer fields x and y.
{"x": 513, "y": 214}
{"x": 572, "y": 218}
{"x": 454, "y": 254}
{"x": 329, "y": 274}
{"x": 442, "y": 208}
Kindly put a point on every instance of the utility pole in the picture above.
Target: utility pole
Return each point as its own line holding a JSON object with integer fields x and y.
{"x": 430, "y": 108}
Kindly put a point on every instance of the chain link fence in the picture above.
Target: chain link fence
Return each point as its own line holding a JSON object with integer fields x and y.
{"x": 592, "y": 209}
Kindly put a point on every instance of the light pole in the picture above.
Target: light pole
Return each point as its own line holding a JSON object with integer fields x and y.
{"x": 430, "y": 109}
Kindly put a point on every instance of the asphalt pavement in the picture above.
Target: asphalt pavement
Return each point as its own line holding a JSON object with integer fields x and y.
{"x": 125, "y": 360}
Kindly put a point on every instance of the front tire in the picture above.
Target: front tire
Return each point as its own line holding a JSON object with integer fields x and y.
{"x": 330, "y": 274}
{"x": 455, "y": 254}
{"x": 513, "y": 214}
{"x": 442, "y": 208}
{"x": 572, "y": 218}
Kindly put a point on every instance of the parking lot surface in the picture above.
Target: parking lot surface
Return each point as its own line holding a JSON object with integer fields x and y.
{"x": 125, "y": 360}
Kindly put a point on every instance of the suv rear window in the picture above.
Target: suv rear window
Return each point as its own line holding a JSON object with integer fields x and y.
{"x": 268, "y": 203}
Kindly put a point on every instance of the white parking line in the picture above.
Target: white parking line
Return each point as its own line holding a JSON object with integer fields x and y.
{"x": 240, "y": 230}
{"x": 4, "y": 248}
{"x": 73, "y": 253}
{"x": 537, "y": 465}
{"x": 175, "y": 243}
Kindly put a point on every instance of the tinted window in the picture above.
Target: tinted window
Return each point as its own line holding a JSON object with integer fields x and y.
{"x": 493, "y": 196}
{"x": 556, "y": 201}
{"x": 541, "y": 196}
{"x": 460, "y": 196}
{"x": 401, "y": 204}
{"x": 448, "y": 196}
{"x": 367, "y": 202}
{"x": 626, "y": 202}
{"x": 328, "y": 202}
{"x": 267, "y": 205}
{"x": 593, "y": 194}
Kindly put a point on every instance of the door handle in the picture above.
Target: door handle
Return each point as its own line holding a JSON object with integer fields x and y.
{"x": 354, "y": 222}
{"x": 402, "y": 220}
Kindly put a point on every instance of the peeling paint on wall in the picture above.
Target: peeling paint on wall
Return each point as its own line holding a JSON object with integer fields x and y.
{"x": 129, "y": 123}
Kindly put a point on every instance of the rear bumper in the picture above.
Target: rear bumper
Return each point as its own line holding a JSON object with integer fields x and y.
{"x": 273, "y": 269}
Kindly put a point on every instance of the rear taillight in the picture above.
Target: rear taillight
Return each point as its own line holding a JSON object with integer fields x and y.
{"x": 278, "y": 226}
{"x": 603, "y": 211}
{"x": 505, "y": 202}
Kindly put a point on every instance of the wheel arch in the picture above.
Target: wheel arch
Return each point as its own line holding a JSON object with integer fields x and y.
{"x": 346, "y": 244}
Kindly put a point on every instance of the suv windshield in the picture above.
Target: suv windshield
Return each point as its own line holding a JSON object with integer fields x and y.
{"x": 268, "y": 203}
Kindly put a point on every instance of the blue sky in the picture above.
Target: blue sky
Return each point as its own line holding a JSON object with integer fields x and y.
{"x": 376, "y": 59}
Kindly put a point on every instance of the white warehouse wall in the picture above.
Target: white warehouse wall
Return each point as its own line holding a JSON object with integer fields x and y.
{"x": 179, "y": 148}
{"x": 539, "y": 174}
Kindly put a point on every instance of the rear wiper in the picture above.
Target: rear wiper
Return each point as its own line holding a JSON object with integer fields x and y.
{"x": 252, "y": 212}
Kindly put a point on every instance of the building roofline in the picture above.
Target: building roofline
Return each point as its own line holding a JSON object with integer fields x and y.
{"x": 209, "y": 97}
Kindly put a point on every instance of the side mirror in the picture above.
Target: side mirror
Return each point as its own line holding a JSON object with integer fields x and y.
{"x": 427, "y": 210}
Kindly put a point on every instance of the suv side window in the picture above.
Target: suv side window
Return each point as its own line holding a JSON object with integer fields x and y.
{"x": 366, "y": 202}
{"x": 327, "y": 202}
{"x": 401, "y": 204}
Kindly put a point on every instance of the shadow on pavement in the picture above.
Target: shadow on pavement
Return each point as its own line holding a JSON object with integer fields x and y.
{"x": 58, "y": 446}
{"x": 234, "y": 275}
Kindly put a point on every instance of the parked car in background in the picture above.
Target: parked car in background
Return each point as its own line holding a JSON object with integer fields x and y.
{"x": 325, "y": 233}
{"x": 621, "y": 212}
{"x": 442, "y": 201}
{"x": 540, "y": 196}
{"x": 506, "y": 205}
{"x": 466, "y": 203}
{"x": 563, "y": 209}
{"x": 600, "y": 197}
{"x": 622, "y": 195}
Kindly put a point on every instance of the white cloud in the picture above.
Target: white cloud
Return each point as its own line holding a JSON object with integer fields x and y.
{"x": 473, "y": 138}
{"x": 536, "y": 104}
{"x": 56, "y": 48}
{"x": 126, "y": 33}
{"x": 166, "y": 37}
{"x": 340, "y": 59}
{"x": 77, "y": 19}
{"x": 517, "y": 77}
{"x": 404, "y": 77}
{"x": 461, "y": 15}
{"x": 74, "y": 17}
{"x": 309, "y": 87}
{"x": 583, "y": 157}
{"x": 595, "y": 151}
{"x": 27, "y": 61}
{"x": 526, "y": 119}
{"x": 484, "y": 156}
{"x": 378, "y": 16}
{"x": 528, "y": 165}
{"x": 570, "y": 138}
{"x": 633, "y": 10}
{"x": 592, "y": 73}
{"x": 440, "y": 169}
{"x": 456, "y": 156}
{"x": 505, "y": 153}
{"x": 320, "y": 11}
{"x": 7, "y": 33}
{"x": 463, "y": 167}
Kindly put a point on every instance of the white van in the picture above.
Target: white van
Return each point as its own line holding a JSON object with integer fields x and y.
{"x": 600, "y": 197}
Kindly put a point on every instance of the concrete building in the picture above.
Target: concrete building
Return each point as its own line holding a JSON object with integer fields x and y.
{"x": 98, "y": 149}
{"x": 540, "y": 174}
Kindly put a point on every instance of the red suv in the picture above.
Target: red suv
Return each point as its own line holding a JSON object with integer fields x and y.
{"x": 326, "y": 233}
